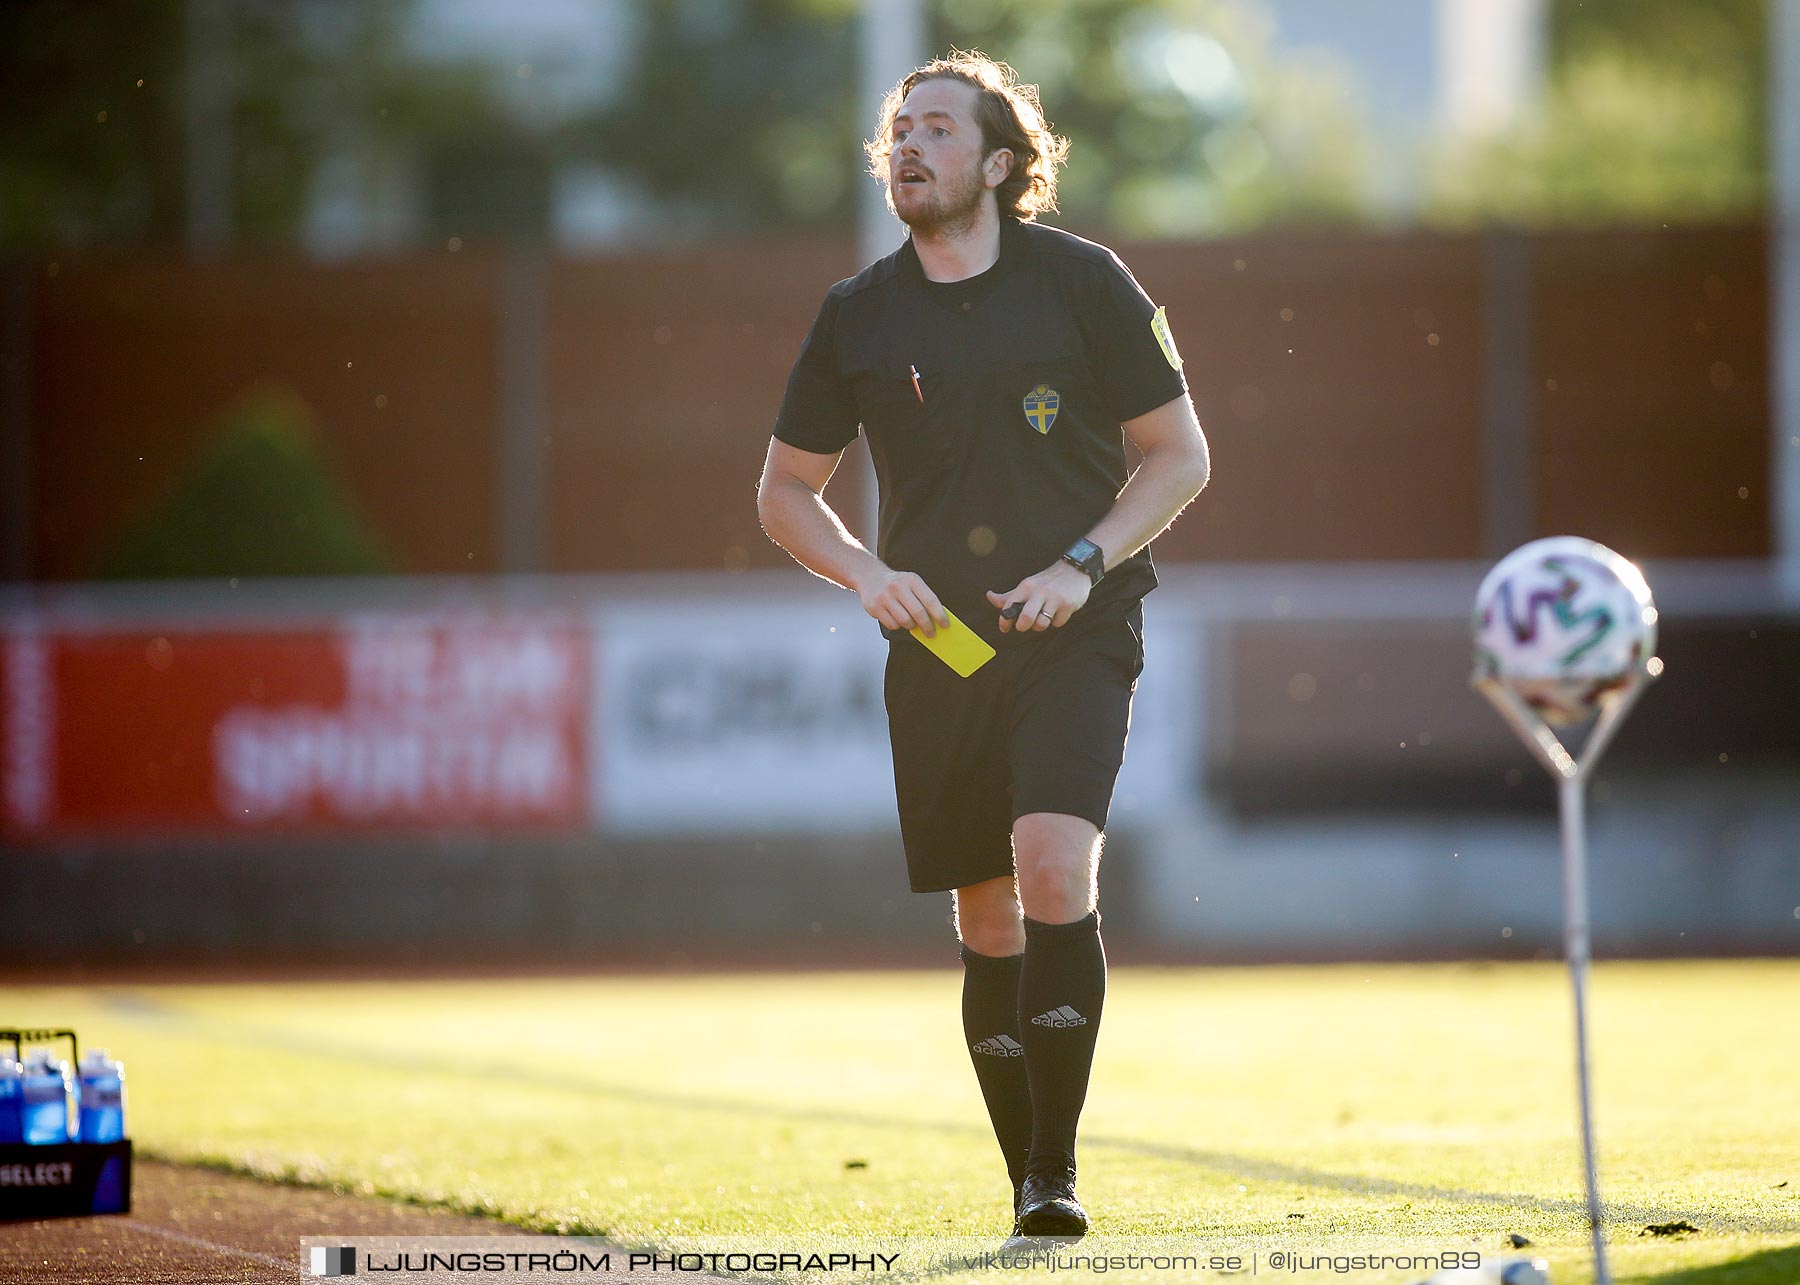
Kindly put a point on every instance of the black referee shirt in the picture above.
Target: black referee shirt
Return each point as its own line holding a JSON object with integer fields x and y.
{"x": 1006, "y": 448}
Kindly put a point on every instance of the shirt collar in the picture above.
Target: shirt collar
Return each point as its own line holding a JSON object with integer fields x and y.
{"x": 1011, "y": 245}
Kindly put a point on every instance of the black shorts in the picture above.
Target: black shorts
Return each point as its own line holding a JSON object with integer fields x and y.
{"x": 1040, "y": 728}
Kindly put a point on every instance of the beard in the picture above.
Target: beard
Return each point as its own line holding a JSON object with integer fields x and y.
{"x": 952, "y": 205}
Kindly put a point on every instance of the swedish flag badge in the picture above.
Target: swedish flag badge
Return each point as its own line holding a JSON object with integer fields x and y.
{"x": 1041, "y": 404}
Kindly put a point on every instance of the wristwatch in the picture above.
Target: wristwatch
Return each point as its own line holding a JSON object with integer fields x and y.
{"x": 1085, "y": 555}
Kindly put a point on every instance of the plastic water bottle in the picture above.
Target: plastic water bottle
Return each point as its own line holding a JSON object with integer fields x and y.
{"x": 49, "y": 1092}
{"x": 12, "y": 1099}
{"x": 102, "y": 1098}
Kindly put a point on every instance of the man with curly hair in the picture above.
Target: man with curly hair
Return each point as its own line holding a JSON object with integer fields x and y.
{"x": 997, "y": 367}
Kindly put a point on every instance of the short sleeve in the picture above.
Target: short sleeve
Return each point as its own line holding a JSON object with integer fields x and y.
{"x": 1139, "y": 366}
{"x": 818, "y": 412}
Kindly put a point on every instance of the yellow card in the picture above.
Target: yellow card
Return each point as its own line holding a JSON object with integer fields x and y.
{"x": 957, "y": 645}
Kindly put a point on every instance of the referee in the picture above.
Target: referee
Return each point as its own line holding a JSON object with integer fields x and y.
{"x": 992, "y": 363}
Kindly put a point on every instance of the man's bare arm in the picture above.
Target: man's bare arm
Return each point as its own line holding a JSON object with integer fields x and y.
{"x": 1175, "y": 468}
{"x": 795, "y": 516}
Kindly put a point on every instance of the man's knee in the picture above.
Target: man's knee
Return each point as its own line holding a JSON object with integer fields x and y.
{"x": 1058, "y": 858}
{"x": 988, "y": 918}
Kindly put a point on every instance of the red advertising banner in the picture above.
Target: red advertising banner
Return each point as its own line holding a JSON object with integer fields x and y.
{"x": 391, "y": 721}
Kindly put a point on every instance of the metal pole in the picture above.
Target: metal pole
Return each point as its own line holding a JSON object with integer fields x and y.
{"x": 1508, "y": 448}
{"x": 524, "y": 419}
{"x": 18, "y": 477}
{"x": 1571, "y": 777}
{"x": 1571, "y": 795}
{"x": 1784, "y": 290}
{"x": 208, "y": 126}
{"x": 892, "y": 43}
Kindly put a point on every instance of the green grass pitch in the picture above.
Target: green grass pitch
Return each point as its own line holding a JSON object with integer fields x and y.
{"x": 1319, "y": 1109}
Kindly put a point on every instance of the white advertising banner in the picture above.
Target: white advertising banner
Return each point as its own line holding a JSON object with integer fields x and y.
{"x": 767, "y": 715}
{"x": 732, "y": 714}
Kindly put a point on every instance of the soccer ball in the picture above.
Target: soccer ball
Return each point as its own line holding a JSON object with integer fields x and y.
{"x": 1565, "y": 623}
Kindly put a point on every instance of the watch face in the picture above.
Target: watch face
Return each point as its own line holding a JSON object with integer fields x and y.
{"x": 1086, "y": 555}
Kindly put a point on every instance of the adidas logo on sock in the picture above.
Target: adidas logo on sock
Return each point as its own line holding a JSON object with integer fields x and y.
{"x": 1000, "y": 1046}
{"x": 1064, "y": 1016}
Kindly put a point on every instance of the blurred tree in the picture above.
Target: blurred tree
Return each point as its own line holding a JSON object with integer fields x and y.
{"x": 748, "y": 114}
{"x": 258, "y": 500}
{"x": 90, "y": 118}
{"x": 741, "y": 114}
{"x": 1655, "y": 109}
{"x": 93, "y": 112}
{"x": 1183, "y": 124}
{"x": 1719, "y": 37}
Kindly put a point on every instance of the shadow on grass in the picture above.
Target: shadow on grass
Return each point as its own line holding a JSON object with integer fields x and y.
{"x": 1770, "y": 1267}
{"x": 249, "y": 1034}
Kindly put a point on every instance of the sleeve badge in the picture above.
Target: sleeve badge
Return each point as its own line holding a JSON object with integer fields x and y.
{"x": 1159, "y": 326}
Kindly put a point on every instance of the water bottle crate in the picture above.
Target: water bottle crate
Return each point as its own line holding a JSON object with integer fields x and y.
{"x": 64, "y": 1179}
{"x": 55, "y": 1160}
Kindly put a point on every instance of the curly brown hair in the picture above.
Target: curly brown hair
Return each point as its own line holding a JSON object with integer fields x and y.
{"x": 1010, "y": 116}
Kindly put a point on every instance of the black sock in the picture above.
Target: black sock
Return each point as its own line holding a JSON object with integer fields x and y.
{"x": 991, "y": 1024}
{"x": 1062, "y": 988}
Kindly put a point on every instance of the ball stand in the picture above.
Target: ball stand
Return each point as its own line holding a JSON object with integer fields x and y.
{"x": 1571, "y": 777}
